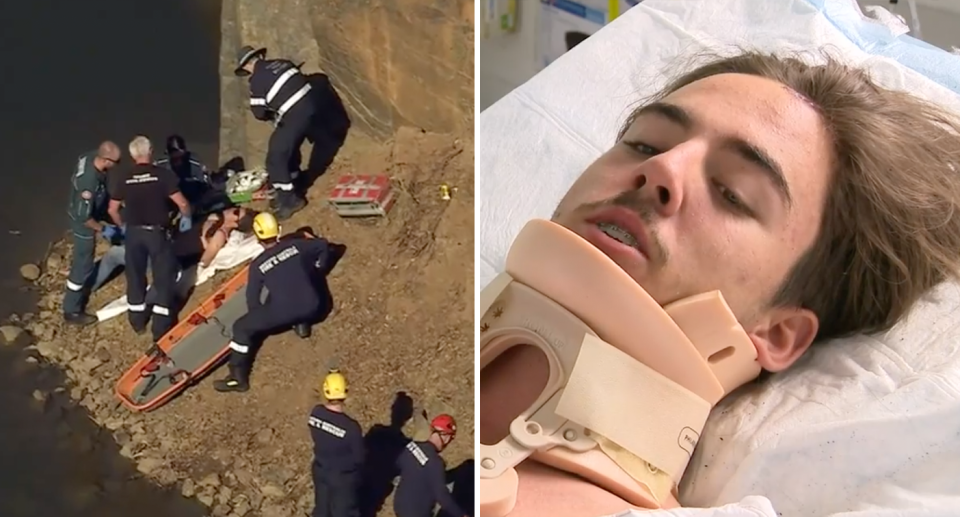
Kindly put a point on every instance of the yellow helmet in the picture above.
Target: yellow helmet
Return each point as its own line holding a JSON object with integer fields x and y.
{"x": 265, "y": 226}
{"x": 335, "y": 386}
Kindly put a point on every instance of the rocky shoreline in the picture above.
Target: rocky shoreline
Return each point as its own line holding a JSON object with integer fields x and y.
{"x": 402, "y": 325}
{"x": 91, "y": 371}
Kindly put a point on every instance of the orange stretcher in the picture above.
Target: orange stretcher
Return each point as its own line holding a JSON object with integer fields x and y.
{"x": 191, "y": 349}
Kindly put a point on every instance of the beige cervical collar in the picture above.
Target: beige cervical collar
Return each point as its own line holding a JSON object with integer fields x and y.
{"x": 631, "y": 383}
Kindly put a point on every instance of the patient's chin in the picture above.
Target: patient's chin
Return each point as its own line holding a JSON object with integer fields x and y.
{"x": 548, "y": 491}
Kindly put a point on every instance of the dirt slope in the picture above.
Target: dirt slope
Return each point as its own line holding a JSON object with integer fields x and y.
{"x": 402, "y": 323}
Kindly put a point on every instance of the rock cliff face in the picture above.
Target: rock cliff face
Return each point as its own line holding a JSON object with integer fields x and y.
{"x": 393, "y": 62}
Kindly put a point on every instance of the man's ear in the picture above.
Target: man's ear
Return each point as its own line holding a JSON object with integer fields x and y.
{"x": 782, "y": 336}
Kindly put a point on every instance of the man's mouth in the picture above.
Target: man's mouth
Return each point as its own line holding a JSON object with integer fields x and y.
{"x": 620, "y": 234}
{"x": 615, "y": 232}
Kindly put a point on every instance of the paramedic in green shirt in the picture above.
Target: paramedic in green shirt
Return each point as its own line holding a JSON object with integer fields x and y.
{"x": 88, "y": 202}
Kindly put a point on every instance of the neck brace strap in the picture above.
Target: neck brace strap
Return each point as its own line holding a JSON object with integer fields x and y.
{"x": 631, "y": 383}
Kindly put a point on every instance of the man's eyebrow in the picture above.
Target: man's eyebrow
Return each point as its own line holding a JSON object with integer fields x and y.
{"x": 671, "y": 112}
{"x": 767, "y": 164}
{"x": 746, "y": 150}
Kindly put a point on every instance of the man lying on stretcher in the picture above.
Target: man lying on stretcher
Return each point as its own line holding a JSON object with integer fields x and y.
{"x": 195, "y": 248}
{"x": 818, "y": 203}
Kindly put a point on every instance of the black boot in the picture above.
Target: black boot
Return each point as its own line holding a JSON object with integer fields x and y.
{"x": 138, "y": 323}
{"x": 302, "y": 330}
{"x": 288, "y": 203}
{"x": 235, "y": 381}
{"x": 80, "y": 319}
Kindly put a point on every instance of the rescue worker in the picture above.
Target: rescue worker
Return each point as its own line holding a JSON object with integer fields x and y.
{"x": 423, "y": 474}
{"x": 88, "y": 203}
{"x": 193, "y": 175}
{"x": 338, "y": 452}
{"x": 146, "y": 192}
{"x": 287, "y": 268}
{"x": 280, "y": 93}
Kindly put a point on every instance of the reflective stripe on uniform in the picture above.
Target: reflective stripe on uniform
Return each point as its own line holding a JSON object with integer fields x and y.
{"x": 243, "y": 349}
{"x": 301, "y": 93}
{"x": 77, "y": 210}
{"x": 138, "y": 307}
{"x": 161, "y": 310}
{"x": 81, "y": 166}
{"x": 283, "y": 186}
{"x": 282, "y": 80}
{"x": 257, "y": 101}
{"x": 74, "y": 287}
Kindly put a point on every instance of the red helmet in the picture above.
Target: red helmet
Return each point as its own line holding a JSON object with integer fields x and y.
{"x": 444, "y": 424}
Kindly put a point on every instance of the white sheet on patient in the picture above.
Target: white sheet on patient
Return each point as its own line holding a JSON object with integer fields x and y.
{"x": 240, "y": 248}
{"x": 868, "y": 426}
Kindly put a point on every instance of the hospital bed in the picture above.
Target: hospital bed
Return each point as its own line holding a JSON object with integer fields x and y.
{"x": 864, "y": 426}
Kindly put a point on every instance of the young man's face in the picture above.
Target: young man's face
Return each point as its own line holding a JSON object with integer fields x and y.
{"x": 720, "y": 186}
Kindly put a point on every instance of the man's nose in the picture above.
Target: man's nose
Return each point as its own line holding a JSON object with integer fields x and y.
{"x": 660, "y": 180}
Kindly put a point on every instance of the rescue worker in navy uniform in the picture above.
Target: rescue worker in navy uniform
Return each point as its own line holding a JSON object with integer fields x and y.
{"x": 280, "y": 93}
{"x": 288, "y": 269}
{"x": 423, "y": 474}
{"x": 146, "y": 192}
{"x": 194, "y": 179}
{"x": 88, "y": 204}
{"x": 338, "y": 452}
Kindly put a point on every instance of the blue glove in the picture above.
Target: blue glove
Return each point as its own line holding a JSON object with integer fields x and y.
{"x": 110, "y": 232}
{"x": 185, "y": 224}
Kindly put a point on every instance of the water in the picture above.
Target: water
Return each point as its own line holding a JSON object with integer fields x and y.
{"x": 56, "y": 462}
{"x": 73, "y": 74}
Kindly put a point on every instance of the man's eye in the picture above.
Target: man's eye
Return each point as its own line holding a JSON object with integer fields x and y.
{"x": 642, "y": 148}
{"x": 733, "y": 200}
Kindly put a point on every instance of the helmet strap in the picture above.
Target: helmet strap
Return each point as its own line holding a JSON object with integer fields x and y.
{"x": 445, "y": 438}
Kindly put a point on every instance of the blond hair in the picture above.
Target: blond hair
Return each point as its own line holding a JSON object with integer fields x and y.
{"x": 891, "y": 225}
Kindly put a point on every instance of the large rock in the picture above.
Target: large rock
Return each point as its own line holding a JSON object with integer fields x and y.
{"x": 211, "y": 480}
{"x": 11, "y": 335}
{"x": 49, "y": 349}
{"x": 272, "y": 490}
{"x": 393, "y": 62}
{"x": 54, "y": 261}
{"x": 189, "y": 488}
{"x": 224, "y": 495}
{"x": 30, "y": 272}
{"x": 241, "y": 505}
{"x": 149, "y": 465}
{"x": 206, "y": 499}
